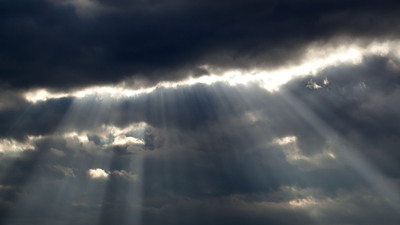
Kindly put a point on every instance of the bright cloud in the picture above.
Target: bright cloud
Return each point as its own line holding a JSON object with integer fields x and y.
{"x": 313, "y": 85}
{"x": 294, "y": 155}
{"x": 98, "y": 173}
{"x": 12, "y": 145}
{"x": 316, "y": 59}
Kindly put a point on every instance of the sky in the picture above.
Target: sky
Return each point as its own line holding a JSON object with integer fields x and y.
{"x": 199, "y": 112}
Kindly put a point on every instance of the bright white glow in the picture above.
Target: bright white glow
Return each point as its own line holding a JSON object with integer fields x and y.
{"x": 315, "y": 60}
{"x": 81, "y": 137}
{"x": 108, "y": 136}
{"x": 43, "y": 95}
{"x": 313, "y": 85}
{"x": 120, "y": 134}
{"x": 117, "y": 131}
{"x": 98, "y": 173}
{"x": 112, "y": 92}
{"x": 12, "y": 145}
{"x": 285, "y": 140}
{"x": 326, "y": 81}
{"x": 123, "y": 140}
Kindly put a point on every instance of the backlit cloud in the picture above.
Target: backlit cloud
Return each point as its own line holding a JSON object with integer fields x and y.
{"x": 98, "y": 173}
{"x": 199, "y": 112}
{"x": 316, "y": 60}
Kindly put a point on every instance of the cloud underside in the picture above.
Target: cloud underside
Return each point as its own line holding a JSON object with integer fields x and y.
{"x": 64, "y": 44}
{"x": 210, "y": 153}
{"x": 199, "y": 112}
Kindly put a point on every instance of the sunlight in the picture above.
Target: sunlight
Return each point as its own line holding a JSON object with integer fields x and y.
{"x": 12, "y": 145}
{"x": 82, "y": 138}
{"x": 43, "y": 95}
{"x": 316, "y": 59}
{"x": 285, "y": 140}
{"x": 149, "y": 112}
{"x": 294, "y": 155}
{"x": 98, "y": 173}
{"x": 345, "y": 151}
{"x": 95, "y": 149}
{"x": 123, "y": 140}
{"x": 110, "y": 135}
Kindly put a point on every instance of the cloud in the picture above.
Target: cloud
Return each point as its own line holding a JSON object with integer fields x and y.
{"x": 124, "y": 175}
{"x": 154, "y": 41}
{"x": 70, "y": 172}
{"x": 98, "y": 173}
{"x": 216, "y": 150}
{"x": 7, "y": 145}
{"x": 293, "y": 155}
{"x": 181, "y": 112}
{"x": 316, "y": 60}
{"x": 313, "y": 85}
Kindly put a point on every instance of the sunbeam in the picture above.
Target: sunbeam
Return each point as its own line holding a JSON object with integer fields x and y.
{"x": 200, "y": 112}
{"x": 346, "y": 152}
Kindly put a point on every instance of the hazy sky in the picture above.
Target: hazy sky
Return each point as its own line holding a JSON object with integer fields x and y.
{"x": 199, "y": 112}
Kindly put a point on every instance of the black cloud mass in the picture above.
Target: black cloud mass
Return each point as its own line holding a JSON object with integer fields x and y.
{"x": 70, "y": 42}
{"x": 322, "y": 147}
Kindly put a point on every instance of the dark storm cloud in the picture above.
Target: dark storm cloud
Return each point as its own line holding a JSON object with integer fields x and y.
{"x": 62, "y": 43}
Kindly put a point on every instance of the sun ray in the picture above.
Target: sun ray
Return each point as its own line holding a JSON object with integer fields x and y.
{"x": 345, "y": 150}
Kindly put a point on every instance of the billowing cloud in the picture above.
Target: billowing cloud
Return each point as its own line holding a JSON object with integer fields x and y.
{"x": 98, "y": 173}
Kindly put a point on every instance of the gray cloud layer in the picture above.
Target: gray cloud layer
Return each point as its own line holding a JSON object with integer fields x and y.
{"x": 212, "y": 154}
